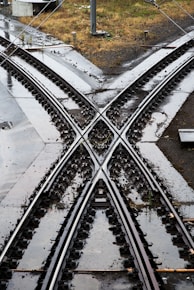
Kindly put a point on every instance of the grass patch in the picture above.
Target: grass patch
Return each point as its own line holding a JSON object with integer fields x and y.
{"x": 124, "y": 20}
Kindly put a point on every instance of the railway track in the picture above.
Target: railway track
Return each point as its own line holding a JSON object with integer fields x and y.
{"x": 100, "y": 146}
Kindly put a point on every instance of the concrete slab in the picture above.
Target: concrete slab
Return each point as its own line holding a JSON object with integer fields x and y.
{"x": 186, "y": 135}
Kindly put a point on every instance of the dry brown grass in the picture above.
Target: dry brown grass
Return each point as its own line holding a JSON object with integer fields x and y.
{"x": 125, "y": 21}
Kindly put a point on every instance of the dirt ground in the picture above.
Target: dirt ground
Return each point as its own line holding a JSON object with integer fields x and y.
{"x": 111, "y": 62}
{"x": 181, "y": 157}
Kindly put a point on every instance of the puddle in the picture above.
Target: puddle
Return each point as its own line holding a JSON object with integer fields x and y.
{"x": 100, "y": 247}
{"x": 108, "y": 265}
{"x": 167, "y": 253}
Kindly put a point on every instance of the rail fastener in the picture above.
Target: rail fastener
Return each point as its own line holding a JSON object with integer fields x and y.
{"x": 130, "y": 270}
{"x": 28, "y": 271}
{"x": 189, "y": 220}
{"x": 168, "y": 270}
{"x": 158, "y": 46}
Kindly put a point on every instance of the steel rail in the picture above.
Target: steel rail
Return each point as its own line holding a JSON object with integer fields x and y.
{"x": 74, "y": 127}
{"x": 85, "y": 133}
{"x": 137, "y": 159}
{"x": 43, "y": 90}
{"x": 119, "y": 136}
{"x": 142, "y": 261}
{"x": 152, "y": 95}
{"x": 149, "y": 70}
{"x": 141, "y": 108}
{"x": 72, "y": 229}
{"x": 99, "y": 114}
{"x": 54, "y": 173}
{"x": 46, "y": 186}
{"x": 157, "y": 188}
{"x": 21, "y": 52}
{"x": 27, "y": 213}
{"x": 143, "y": 168}
{"x": 150, "y": 178}
{"x": 146, "y": 276}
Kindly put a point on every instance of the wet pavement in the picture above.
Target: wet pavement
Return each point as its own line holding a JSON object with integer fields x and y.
{"x": 27, "y": 150}
{"x": 159, "y": 122}
{"x": 28, "y": 147}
